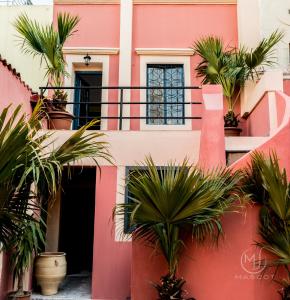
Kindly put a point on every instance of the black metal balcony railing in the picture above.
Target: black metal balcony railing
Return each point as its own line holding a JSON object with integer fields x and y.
{"x": 160, "y": 109}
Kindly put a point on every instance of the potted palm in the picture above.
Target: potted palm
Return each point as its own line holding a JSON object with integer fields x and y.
{"x": 26, "y": 162}
{"x": 47, "y": 43}
{"x": 231, "y": 68}
{"x": 25, "y": 246}
{"x": 268, "y": 185}
{"x": 167, "y": 202}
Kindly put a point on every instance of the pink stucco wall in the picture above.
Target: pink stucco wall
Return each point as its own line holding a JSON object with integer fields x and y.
{"x": 219, "y": 273}
{"x": 13, "y": 90}
{"x": 154, "y": 26}
{"x": 211, "y": 272}
{"x": 179, "y": 26}
{"x": 286, "y": 86}
{"x": 212, "y": 129}
{"x": 112, "y": 260}
{"x": 257, "y": 123}
{"x": 98, "y": 26}
{"x": 281, "y": 106}
{"x": 5, "y": 278}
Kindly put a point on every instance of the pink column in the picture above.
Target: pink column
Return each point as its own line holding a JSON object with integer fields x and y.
{"x": 212, "y": 142}
{"x": 112, "y": 259}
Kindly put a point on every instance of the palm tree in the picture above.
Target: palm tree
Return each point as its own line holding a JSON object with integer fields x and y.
{"x": 273, "y": 192}
{"x": 47, "y": 42}
{"x": 232, "y": 67}
{"x": 170, "y": 200}
{"x": 31, "y": 172}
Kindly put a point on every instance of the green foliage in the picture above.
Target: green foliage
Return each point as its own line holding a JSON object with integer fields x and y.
{"x": 273, "y": 192}
{"x": 231, "y": 119}
{"x": 232, "y": 67}
{"x": 31, "y": 170}
{"x": 25, "y": 245}
{"x": 171, "y": 287}
{"x": 47, "y": 42}
{"x": 166, "y": 202}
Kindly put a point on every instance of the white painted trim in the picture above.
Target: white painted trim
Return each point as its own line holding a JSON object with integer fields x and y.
{"x": 165, "y": 51}
{"x": 125, "y": 58}
{"x": 98, "y": 60}
{"x": 120, "y": 236}
{"x": 243, "y": 143}
{"x": 185, "y": 61}
{"x": 273, "y": 118}
{"x": 91, "y": 50}
{"x": 253, "y": 92}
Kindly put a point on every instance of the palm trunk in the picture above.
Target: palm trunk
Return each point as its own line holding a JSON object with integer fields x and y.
{"x": 20, "y": 284}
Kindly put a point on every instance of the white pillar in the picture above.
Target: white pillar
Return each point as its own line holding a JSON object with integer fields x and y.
{"x": 249, "y": 22}
{"x": 125, "y": 56}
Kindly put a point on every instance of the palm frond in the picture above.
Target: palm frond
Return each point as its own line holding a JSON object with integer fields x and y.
{"x": 272, "y": 190}
{"x": 166, "y": 200}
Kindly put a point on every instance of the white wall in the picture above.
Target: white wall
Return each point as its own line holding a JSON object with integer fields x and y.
{"x": 275, "y": 14}
{"x": 259, "y": 18}
{"x": 249, "y": 22}
{"x": 29, "y": 68}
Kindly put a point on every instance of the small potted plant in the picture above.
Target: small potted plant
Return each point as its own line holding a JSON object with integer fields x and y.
{"x": 231, "y": 121}
{"x": 231, "y": 67}
{"x": 47, "y": 42}
{"x": 24, "y": 247}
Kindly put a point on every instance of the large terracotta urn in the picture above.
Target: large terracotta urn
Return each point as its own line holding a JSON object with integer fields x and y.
{"x": 50, "y": 271}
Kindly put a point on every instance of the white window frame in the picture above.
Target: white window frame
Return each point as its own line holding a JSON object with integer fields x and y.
{"x": 170, "y": 60}
{"x": 102, "y": 61}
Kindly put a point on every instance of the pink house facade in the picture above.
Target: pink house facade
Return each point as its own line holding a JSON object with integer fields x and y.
{"x": 135, "y": 45}
{"x": 126, "y": 40}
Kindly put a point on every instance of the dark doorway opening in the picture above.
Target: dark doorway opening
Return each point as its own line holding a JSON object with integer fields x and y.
{"x": 88, "y": 101}
{"x": 77, "y": 212}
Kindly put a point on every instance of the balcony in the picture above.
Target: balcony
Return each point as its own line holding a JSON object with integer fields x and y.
{"x": 130, "y": 108}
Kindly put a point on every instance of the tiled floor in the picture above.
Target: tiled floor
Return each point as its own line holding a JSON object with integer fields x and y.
{"x": 74, "y": 287}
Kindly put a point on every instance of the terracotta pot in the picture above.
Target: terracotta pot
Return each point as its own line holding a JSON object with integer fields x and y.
{"x": 50, "y": 271}
{"x": 59, "y": 119}
{"x": 232, "y": 131}
{"x": 26, "y": 296}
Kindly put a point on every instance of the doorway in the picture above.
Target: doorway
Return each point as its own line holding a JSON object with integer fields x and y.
{"x": 87, "y": 101}
{"x": 77, "y": 210}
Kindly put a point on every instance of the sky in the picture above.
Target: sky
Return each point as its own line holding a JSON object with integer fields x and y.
{"x": 39, "y": 2}
{"x": 19, "y": 2}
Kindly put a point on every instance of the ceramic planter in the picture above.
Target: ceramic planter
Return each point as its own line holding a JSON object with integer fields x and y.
{"x": 59, "y": 120}
{"x": 232, "y": 131}
{"x": 26, "y": 296}
{"x": 50, "y": 271}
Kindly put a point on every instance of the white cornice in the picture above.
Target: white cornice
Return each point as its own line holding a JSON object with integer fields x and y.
{"x": 86, "y": 2}
{"x": 90, "y": 50}
{"x": 185, "y": 1}
{"x": 165, "y": 51}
